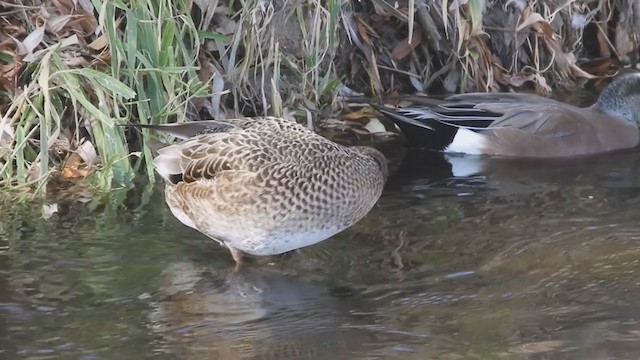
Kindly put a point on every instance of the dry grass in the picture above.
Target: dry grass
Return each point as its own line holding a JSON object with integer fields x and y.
{"x": 74, "y": 70}
{"x": 70, "y": 71}
{"x": 482, "y": 45}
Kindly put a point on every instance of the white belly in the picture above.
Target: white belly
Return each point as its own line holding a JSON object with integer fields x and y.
{"x": 279, "y": 244}
{"x": 256, "y": 240}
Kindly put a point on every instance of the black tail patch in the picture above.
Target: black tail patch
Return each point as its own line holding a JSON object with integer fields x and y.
{"x": 433, "y": 136}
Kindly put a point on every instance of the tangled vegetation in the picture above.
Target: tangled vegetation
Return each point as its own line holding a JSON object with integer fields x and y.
{"x": 71, "y": 71}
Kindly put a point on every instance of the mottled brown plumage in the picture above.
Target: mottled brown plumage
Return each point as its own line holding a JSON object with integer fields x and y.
{"x": 265, "y": 186}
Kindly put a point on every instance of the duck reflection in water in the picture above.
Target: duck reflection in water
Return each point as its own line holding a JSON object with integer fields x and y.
{"x": 508, "y": 176}
{"x": 258, "y": 313}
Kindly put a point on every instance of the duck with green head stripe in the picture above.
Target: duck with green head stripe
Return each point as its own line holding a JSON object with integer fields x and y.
{"x": 522, "y": 125}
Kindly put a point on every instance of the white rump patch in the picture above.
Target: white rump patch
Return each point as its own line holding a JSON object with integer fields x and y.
{"x": 467, "y": 142}
{"x": 167, "y": 162}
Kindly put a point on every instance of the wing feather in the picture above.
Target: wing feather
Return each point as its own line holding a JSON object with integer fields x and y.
{"x": 250, "y": 146}
{"x": 482, "y": 112}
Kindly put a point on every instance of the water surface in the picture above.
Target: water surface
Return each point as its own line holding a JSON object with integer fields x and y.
{"x": 523, "y": 260}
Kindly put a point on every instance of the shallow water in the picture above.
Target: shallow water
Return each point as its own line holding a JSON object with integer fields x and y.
{"x": 526, "y": 260}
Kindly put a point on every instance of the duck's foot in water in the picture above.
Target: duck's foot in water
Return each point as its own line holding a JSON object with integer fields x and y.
{"x": 237, "y": 255}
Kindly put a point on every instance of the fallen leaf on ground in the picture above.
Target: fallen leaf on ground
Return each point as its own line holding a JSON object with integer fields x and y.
{"x": 73, "y": 168}
{"x": 99, "y": 43}
{"x": 26, "y": 46}
{"x": 360, "y": 131}
{"x": 358, "y": 114}
{"x": 403, "y": 48}
{"x": 375, "y": 126}
{"x": 48, "y": 210}
{"x": 88, "y": 153}
{"x": 55, "y": 23}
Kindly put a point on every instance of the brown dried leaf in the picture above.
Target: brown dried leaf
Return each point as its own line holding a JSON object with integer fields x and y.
{"x": 461, "y": 25}
{"x": 532, "y": 18}
{"x": 537, "y": 22}
{"x": 358, "y": 114}
{"x": 9, "y": 72}
{"x": 339, "y": 124}
{"x": 364, "y": 31}
{"x": 56, "y": 23}
{"x": 85, "y": 23}
{"x": 518, "y": 79}
{"x": 623, "y": 42}
{"x": 99, "y": 43}
{"x": 360, "y": 131}
{"x": 33, "y": 171}
{"x": 403, "y": 48}
{"x": 378, "y": 9}
{"x": 602, "y": 67}
{"x": 602, "y": 38}
{"x": 541, "y": 84}
{"x": 102, "y": 41}
{"x": 566, "y": 61}
{"x": 8, "y": 44}
{"x": 86, "y": 5}
{"x": 73, "y": 168}
{"x": 64, "y": 6}
{"x": 26, "y": 46}
{"x": 76, "y": 61}
{"x": 544, "y": 28}
{"x": 577, "y": 72}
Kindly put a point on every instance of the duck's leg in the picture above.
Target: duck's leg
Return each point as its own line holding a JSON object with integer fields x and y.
{"x": 236, "y": 254}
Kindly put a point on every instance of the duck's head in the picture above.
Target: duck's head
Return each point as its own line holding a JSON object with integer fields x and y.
{"x": 377, "y": 156}
{"x": 622, "y": 98}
